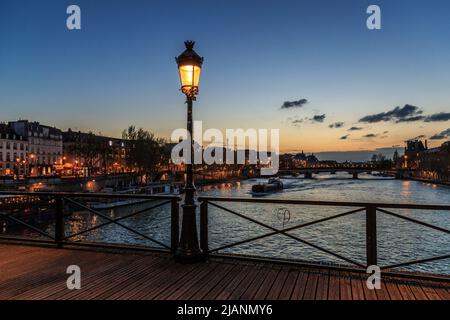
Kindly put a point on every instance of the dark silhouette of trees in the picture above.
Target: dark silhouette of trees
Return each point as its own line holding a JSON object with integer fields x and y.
{"x": 93, "y": 149}
{"x": 380, "y": 161}
{"x": 145, "y": 152}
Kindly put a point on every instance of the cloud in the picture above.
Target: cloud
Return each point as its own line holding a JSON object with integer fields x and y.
{"x": 336, "y": 125}
{"x": 294, "y": 104}
{"x": 296, "y": 122}
{"x": 418, "y": 137}
{"x": 441, "y": 135}
{"x": 442, "y": 116}
{"x": 344, "y": 137}
{"x": 411, "y": 119}
{"x": 355, "y": 128}
{"x": 370, "y": 135}
{"x": 318, "y": 118}
{"x": 398, "y": 114}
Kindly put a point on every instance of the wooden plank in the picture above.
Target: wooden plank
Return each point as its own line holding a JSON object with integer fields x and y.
{"x": 170, "y": 270}
{"x": 406, "y": 291}
{"x": 48, "y": 270}
{"x": 369, "y": 294}
{"x": 212, "y": 294}
{"x": 311, "y": 286}
{"x": 333, "y": 286}
{"x": 240, "y": 289}
{"x": 206, "y": 286}
{"x": 93, "y": 278}
{"x": 199, "y": 271}
{"x": 300, "y": 286}
{"x": 382, "y": 293}
{"x": 345, "y": 286}
{"x": 137, "y": 283}
{"x": 119, "y": 281}
{"x": 58, "y": 287}
{"x": 443, "y": 293}
{"x": 193, "y": 281}
{"x": 40, "y": 273}
{"x": 88, "y": 289}
{"x": 254, "y": 286}
{"x": 169, "y": 282}
{"x": 322, "y": 286}
{"x": 430, "y": 293}
{"x": 289, "y": 284}
{"x": 57, "y": 284}
{"x": 14, "y": 272}
{"x": 267, "y": 284}
{"x": 9, "y": 251}
{"x": 357, "y": 288}
{"x": 17, "y": 266}
{"x": 394, "y": 292}
{"x": 417, "y": 291}
{"x": 278, "y": 285}
{"x": 231, "y": 287}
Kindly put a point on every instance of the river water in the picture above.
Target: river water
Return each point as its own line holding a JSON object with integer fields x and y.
{"x": 398, "y": 240}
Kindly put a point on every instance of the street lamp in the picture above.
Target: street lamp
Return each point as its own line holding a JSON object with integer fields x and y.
{"x": 189, "y": 67}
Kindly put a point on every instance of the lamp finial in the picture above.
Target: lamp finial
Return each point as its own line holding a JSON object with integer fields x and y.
{"x": 189, "y": 44}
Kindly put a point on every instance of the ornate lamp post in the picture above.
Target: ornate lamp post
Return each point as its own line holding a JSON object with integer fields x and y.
{"x": 189, "y": 67}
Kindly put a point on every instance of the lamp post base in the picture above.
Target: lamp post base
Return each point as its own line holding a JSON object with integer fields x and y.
{"x": 188, "y": 249}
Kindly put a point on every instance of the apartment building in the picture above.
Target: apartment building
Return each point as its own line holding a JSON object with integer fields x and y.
{"x": 45, "y": 146}
{"x": 13, "y": 153}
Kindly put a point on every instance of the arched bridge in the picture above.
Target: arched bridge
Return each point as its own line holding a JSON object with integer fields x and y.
{"x": 352, "y": 170}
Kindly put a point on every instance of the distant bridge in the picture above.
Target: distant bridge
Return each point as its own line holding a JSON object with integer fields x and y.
{"x": 354, "y": 171}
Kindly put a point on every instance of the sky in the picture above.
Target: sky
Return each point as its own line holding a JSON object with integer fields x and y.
{"x": 309, "y": 68}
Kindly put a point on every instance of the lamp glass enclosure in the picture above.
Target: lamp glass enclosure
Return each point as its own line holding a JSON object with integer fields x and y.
{"x": 189, "y": 77}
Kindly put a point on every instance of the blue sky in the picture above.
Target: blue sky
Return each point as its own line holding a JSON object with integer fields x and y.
{"x": 120, "y": 69}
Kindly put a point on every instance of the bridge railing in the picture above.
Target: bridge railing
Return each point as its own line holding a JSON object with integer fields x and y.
{"x": 60, "y": 203}
{"x": 61, "y": 207}
{"x": 370, "y": 211}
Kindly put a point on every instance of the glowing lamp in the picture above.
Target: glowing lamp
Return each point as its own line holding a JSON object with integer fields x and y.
{"x": 189, "y": 67}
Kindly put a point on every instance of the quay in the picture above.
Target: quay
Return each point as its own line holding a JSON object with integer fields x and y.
{"x": 39, "y": 273}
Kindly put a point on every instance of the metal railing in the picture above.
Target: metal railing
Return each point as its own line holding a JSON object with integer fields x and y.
{"x": 60, "y": 238}
{"x": 59, "y": 199}
{"x": 370, "y": 210}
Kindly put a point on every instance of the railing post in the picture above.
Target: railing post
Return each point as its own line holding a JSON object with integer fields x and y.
{"x": 175, "y": 225}
{"x": 371, "y": 235}
{"x": 204, "y": 227}
{"x": 59, "y": 220}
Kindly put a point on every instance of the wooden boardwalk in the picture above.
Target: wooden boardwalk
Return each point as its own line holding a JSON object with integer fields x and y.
{"x": 30, "y": 272}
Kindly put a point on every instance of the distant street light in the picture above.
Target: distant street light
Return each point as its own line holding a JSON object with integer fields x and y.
{"x": 189, "y": 67}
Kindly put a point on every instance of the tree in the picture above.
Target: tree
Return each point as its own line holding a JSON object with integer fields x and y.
{"x": 145, "y": 151}
{"x": 92, "y": 149}
{"x": 380, "y": 161}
